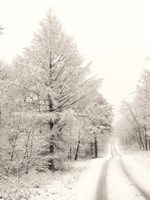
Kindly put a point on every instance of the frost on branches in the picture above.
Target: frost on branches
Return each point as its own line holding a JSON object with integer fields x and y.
{"x": 52, "y": 110}
{"x": 136, "y": 116}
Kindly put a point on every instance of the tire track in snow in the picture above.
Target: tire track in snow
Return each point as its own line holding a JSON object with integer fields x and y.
{"x": 101, "y": 192}
{"x": 131, "y": 177}
{"x": 133, "y": 180}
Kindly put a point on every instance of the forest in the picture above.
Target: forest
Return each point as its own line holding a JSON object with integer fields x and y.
{"x": 74, "y": 100}
{"x": 51, "y": 108}
{"x": 134, "y": 127}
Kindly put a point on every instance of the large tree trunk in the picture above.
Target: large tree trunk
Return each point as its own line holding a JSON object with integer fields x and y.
{"x": 146, "y": 144}
{"x": 70, "y": 154}
{"x": 91, "y": 147}
{"x": 96, "y": 147}
{"x": 77, "y": 150}
{"x": 51, "y": 146}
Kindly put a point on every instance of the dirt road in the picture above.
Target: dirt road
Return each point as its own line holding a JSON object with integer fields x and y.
{"x": 117, "y": 182}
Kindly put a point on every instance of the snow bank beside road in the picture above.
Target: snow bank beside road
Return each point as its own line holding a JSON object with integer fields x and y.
{"x": 78, "y": 183}
{"x": 139, "y": 165}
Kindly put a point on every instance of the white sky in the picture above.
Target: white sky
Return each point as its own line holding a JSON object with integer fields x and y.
{"x": 115, "y": 34}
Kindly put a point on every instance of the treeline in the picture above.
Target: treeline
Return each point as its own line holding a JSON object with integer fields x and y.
{"x": 134, "y": 128}
{"x": 50, "y": 110}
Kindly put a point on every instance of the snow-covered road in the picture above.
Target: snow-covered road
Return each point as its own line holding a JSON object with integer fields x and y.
{"x": 110, "y": 178}
{"x": 119, "y": 185}
{"x": 116, "y": 176}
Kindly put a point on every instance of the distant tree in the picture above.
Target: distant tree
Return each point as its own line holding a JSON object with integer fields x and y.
{"x": 1, "y": 29}
{"x": 130, "y": 111}
{"x": 97, "y": 117}
{"x": 100, "y": 117}
{"x": 138, "y": 111}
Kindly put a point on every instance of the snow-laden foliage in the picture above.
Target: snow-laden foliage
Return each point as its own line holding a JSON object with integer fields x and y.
{"x": 52, "y": 111}
{"x": 137, "y": 113}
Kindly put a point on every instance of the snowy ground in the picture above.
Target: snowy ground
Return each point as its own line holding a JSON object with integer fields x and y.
{"x": 82, "y": 180}
{"x": 78, "y": 183}
{"x": 139, "y": 165}
{"x": 119, "y": 186}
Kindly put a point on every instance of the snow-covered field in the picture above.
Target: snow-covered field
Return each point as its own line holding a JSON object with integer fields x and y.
{"x": 78, "y": 182}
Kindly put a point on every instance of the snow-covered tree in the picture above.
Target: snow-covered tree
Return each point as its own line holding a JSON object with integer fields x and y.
{"x": 51, "y": 79}
{"x": 138, "y": 111}
{"x": 51, "y": 102}
{"x": 96, "y": 116}
{"x": 1, "y": 29}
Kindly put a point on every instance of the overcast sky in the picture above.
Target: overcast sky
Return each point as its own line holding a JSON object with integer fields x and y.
{"x": 115, "y": 34}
